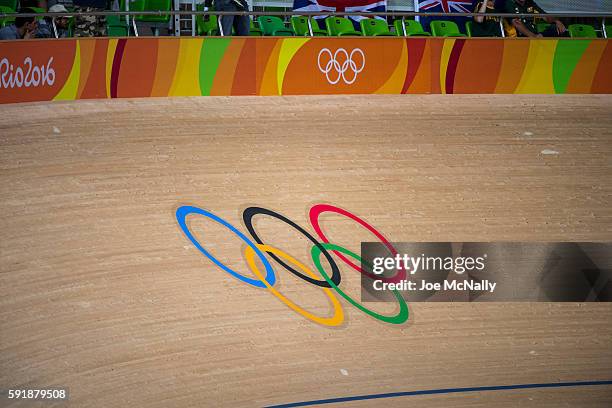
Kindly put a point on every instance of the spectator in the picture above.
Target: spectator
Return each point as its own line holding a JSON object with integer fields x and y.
{"x": 241, "y": 24}
{"x": 38, "y": 6}
{"x": 44, "y": 29}
{"x": 485, "y": 26}
{"x": 24, "y": 27}
{"x": 526, "y": 27}
{"x": 61, "y": 23}
{"x": 89, "y": 26}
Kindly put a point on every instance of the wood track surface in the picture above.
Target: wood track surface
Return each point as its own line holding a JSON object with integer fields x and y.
{"x": 101, "y": 292}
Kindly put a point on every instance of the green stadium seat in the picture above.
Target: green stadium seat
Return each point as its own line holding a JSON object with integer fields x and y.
{"x": 272, "y": 25}
{"x": 399, "y": 27}
{"x": 340, "y": 26}
{"x": 608, "y": 31}
{"x": 116, "y": 26}
{"x": 374, "y": 27}
{"x": 469, "y": 25}
{"x": 155, "y": 5}
{"x": 413, "y": 28}
{"x": 206, "y": 24}
{"x": 254, "y": 31}
{"x": 582, "y": 31}
{"x": 135, "y": 5}
{"x": 300, "y": 27}
{"x": 10, "y": 4}
{"x": 6, "y": 20}
{"x": 209, "y": 25}
{"x": 441, "y": 28}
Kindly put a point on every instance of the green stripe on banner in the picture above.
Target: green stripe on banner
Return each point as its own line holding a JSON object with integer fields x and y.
{"x": 213, "y": 50}
{"x": 567, "y": 56}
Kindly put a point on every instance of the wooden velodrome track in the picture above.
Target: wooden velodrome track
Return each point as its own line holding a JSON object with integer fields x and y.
{"x": 101, "y": 292}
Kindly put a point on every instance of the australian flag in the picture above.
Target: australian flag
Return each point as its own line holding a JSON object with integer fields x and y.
{"x": 372, "y": 6}
{"x": 446, "y": 6}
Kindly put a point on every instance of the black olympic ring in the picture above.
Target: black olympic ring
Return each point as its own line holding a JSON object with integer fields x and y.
{"x": 247, "y": 217}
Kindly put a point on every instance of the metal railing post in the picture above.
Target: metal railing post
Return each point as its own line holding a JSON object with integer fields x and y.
{"x": 177, "y": 18}
{"x": 310, "y": 26}
{"x": 127, "y": 7}
{"x": 193, "y": 18}
{"x": 127, "y": 17}
{"x": 220, "y": 26}
{"x": 54, "y": 28}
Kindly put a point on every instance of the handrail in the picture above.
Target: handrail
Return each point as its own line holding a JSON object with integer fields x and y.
{"x": 306, "y": 14}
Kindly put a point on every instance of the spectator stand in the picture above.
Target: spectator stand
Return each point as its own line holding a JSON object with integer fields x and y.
{"x": 180, "y": 22}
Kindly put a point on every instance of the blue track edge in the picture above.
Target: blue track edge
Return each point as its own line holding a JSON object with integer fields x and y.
{"x": 441, "y": 391}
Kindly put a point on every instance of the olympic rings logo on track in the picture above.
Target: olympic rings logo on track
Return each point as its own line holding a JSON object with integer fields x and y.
{"x": 256, "y": 248}
{"x": 338, "y": 67}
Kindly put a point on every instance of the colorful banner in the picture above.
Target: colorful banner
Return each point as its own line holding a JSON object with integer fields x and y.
{"x": 44, "y": 70}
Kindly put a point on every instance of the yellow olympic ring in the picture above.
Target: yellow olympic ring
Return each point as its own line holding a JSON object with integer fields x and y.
{"x": 338, "y": 316}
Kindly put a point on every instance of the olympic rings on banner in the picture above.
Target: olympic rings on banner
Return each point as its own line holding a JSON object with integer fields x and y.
{"x": 247, "y": 217}
{"x": 318, "y": 209}
{"x": 340, "y": 66}
{"x": 399, "y": 318}
{"x": 338, "y": 316}
{"x": 181, "y": 215}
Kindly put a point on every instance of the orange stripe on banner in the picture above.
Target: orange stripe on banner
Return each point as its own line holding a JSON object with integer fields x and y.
{"x": 582, "y": 77}
{"x": 296, "y": 70}
{"x": 269, "y": 81}
{"x": 88, "y": 47}
{"x": 421, "y": 84}
{"x": 436, "y": 45}
{"x": 137, "y": 70}
{"x": 96, "y": 82}
{"x": 167, "y": 58}
{"x": 395, "y": 82}
{"x": 244, "y": 80}
{"x": 479, "y": 66}
{"x": 602, "y": 82}
{"x": 224, "y": 78}
{"x": 264, "y": 48}
{"x": 513, "y": 64}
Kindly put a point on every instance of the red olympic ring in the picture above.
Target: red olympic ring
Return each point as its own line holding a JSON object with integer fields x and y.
{"x": 318, "y": 209}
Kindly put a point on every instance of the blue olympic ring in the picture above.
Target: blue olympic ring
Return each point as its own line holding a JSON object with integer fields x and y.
{"x": 181, "y": 215}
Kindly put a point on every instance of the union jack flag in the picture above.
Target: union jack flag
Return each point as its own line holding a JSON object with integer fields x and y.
{"x": 446, "y": 6}
{"x": 372, "y": 6}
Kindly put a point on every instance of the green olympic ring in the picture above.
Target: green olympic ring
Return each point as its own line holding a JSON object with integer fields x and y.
{"x": 399, "y": 318}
